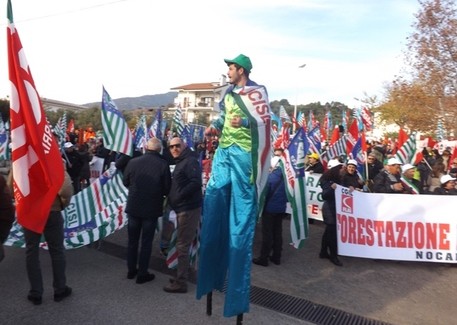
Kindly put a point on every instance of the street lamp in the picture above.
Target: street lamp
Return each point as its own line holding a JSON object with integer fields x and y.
{"x": 296, "y": 99}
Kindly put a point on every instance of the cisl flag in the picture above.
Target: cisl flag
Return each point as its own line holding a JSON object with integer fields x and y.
{"x": 37, "y": 165}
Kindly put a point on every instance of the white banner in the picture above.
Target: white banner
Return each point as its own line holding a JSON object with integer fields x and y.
{"x": 396, "y": 226}
{"x": 313, "y": 194}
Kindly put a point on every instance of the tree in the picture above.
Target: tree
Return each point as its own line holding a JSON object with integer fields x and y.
{"x": 428, "y": 90}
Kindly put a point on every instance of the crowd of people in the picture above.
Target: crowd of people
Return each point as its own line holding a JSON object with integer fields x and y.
{"x": 170, "y": 176}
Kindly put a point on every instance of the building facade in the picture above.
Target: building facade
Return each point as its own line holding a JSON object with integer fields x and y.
{"x": 200, "y": 98}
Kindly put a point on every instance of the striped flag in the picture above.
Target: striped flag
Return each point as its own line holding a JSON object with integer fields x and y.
{"x": 283, "y": 115}
{"x": 60, "y": 129}
{"x": 3, "y": 141}
{"x": 408, "y": 184}
{"x": 141, "y": 134}
{"x": 178, "y": 123}
{"x": 93, "y": 213}
{"x": 367, "y": 120}
{"x": 407, "y": 152}
{"x": 38, "y": 170}
{"x": 338, "y": 148}
{"x": 293, "y": 165}
{"x": 116, "y": 134}
{"x": 155, "y": 129}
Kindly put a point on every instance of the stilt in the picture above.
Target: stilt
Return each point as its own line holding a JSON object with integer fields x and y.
{"x": 239, "y": 319}
{"x": 209, "y": 303}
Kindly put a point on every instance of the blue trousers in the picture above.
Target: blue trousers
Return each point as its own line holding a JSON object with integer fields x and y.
{"x": 228, "y": 225}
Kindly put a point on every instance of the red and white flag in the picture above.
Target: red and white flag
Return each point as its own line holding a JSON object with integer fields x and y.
{"x": 38, "y": 171}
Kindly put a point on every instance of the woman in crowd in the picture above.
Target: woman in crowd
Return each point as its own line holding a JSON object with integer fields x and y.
{"x": 350, "y": 177}
{"x": 328, "y": 182}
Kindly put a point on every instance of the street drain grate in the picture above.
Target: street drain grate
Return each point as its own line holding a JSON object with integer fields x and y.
{"x": 292, "y": 306}
{"x": 306, "y": 310}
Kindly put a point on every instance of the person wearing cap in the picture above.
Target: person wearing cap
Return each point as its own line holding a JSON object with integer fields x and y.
{"x": 314, "y": 165}
{"x": 74, "y": 165}
{"x": 410, "y": 184}
{"x": 388, "y": 180}
{"x": 328, "y": 181}
{"x": 236, "y": 189}
{"x": 148, "y": 180}
{"x": 447, "y": 186}
{"x": 350, "y": 177}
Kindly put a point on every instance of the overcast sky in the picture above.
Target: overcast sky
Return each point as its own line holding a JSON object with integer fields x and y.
{"x": 146, "y": 47}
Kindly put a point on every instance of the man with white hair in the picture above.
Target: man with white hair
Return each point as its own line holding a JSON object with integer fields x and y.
{"x": 148, "y": 179}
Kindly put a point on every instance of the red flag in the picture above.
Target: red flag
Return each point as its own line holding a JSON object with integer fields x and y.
{"x": 71, "y": 126}
{"x": 335, "y": 135}
{"x": 38, "y": 170}
{"x": 431, "y": 143}
{"x": 353, "y": 136}
{"x": 402, "y": 137}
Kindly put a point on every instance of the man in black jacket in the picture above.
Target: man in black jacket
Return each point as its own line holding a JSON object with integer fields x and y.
{"x": 185, "y": 199}
{"x": 148, "y": 179}
{"x": 388, "y": 180}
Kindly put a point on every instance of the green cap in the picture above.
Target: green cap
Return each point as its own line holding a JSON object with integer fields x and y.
{"x": 242, "y": 60}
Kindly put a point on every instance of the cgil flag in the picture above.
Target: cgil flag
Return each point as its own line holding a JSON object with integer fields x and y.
{"x": 116, "y": 134}
{"x": 38, "y": 170}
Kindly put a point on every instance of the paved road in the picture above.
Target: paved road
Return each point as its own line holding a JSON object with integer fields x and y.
{"x": 385, "y": 291}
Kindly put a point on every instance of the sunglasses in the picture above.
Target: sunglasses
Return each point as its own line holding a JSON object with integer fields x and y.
{"x": 177, "y": 146}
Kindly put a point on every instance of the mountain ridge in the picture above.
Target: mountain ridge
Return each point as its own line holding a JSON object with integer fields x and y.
{"x": 145, "y": 101}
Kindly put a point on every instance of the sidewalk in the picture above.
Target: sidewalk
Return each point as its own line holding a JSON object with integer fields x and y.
{"x": 103, "y": 295}
{"x": 381, "y": 291}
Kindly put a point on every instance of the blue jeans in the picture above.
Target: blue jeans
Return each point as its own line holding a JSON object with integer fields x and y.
{"x": 136, "y": 228}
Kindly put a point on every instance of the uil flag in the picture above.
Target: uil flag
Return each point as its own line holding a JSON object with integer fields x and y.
{"x": 155, "y": 129}
{"x": 116, "y": 133}
{"x": 38, "y": 170}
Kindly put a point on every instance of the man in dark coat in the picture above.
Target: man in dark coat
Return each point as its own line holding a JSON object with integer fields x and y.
{"x": 148, "y": 179}
{"x": 388, "y": 180}
{"x": 185, "y": 199}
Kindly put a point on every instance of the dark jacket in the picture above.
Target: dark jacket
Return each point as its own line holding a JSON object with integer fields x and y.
{"x": 330, "y": 177}
{"x": 276, "y": 199}
{"x": 374, "y": 168}
{"x": 148, "y": 179}
{"x": 316, "y": 168}
{"x": 186, "y": 184}
{"x": 74, "y": 163}
{"x": 7, "y": 210}
{"x": 443, "y": 191}
{"x": 329, "y": 205}
{"x": 348, "y": 180}
{"x": 383, "y": 182}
